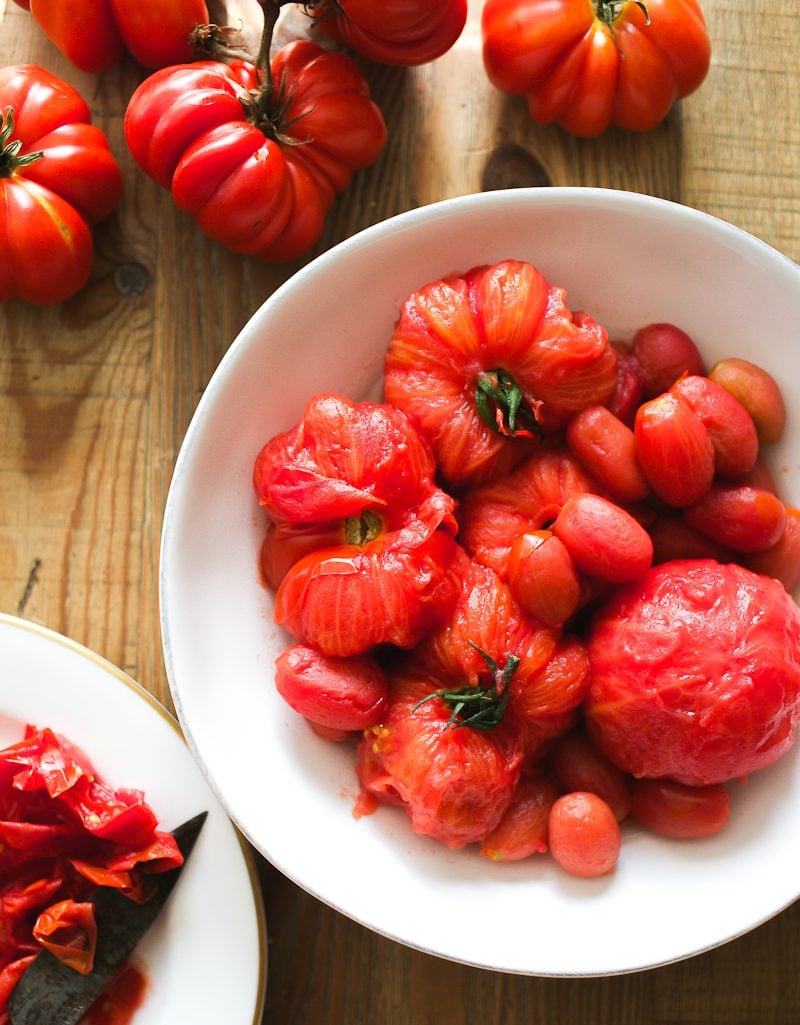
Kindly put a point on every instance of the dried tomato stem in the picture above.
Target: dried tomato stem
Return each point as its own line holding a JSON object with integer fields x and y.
{"x": 10, "y": 159}
{"x": 609, "y": 10}
{"x": 360, "y": 530}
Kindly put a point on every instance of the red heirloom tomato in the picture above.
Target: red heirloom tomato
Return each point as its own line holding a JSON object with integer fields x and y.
{"x": 94, "y": 34}
{"x": 404, "y": 32}
{"x": 485, "y": 361}
{"x": 588, "y": 64}
{"x": 358, "y": 477}
{"x": 57, "y": 174}
{"x": 453, "y": 782}
{"x": 257, "y": 160}
{"x": 695, "y": 673}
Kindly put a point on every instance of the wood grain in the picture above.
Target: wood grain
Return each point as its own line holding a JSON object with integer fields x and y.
{"x": 96, "y": 395}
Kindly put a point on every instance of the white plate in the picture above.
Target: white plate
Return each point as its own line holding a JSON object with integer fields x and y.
{"x": 205, "y": 955}
{"x": 629, "y": 260}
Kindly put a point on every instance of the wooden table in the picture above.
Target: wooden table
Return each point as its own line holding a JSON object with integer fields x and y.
{"x": 96, "y": 393}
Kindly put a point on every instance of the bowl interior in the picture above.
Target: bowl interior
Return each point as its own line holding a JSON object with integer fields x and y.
{"x": 628, "y": 260}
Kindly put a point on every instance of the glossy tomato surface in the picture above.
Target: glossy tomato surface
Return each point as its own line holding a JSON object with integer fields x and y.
{"x": 257, "y": 168}
{"x": 585, "y": 64}
{"x": 57, "y": 175}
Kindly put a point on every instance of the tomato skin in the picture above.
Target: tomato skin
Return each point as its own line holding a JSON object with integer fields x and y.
{"x": 46, "y": 248}
{"x": 93, "y": 34}
{"x": 399, "y": 32}
{"x": 193, "y": 128}
{"x": 584, "y": 74}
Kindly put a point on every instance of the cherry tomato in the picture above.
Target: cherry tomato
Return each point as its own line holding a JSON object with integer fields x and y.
{"x": 757, "y": 391}
{"x": 585, "y": 838}
{"x": 664, "y": 353}
{"x": 781, "y": 560}
{"x": 336, "y": 693}
{"x": 578, "y": 765}
{"x": 257, "y": 162}
{"x": 729, "y": 425}
{"x": 57, "y": 175}
{"x": 607, "y": 448}
{"x": 674, "y": 449}
{"x": 603, "y": 540}
{"x": 673, "y": 809}
{"x": 94, "y": 34}
{"x": 402, "y": 32}
{"x": 543, "y": 578}
{"x": 739, "y": 516}
{"x": 588, "y": 64}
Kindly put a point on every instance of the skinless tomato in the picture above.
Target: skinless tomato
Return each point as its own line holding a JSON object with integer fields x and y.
{"x": 403, "y": 32}
{"x": 585, "y": 837}
{"x": 660, "y": 705}
{"x": 454, "y": 783}
{"x": 359, "y": 470}
{"x": 487, "y": 361}
{"x": 257, "y": 159}
{"x": 57, "y": 176}
{"x": 588, "y": 64}
{"x": 94, "y": 34}
{"x": 523, "y": 829}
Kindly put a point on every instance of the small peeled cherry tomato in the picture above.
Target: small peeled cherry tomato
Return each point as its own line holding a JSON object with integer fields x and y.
{"x": 757, "y": 391}
{"x": 744, "y": 518}
{"x": 674, "y": 539}
{"x": 729, "y": 425}
{"x": 781, "y": 560}
{"x": 665, "y": 352}
{"x": 522, "y": 831}
{"x": 336, "y": 693}
{"x": 543, "y": 578}
{"x": 585, "y": 838}
{"x": 680, "y": 811}
{"x": 578, "y": 765}
{"x": 674, "y": 449}
{"x": 629, "y": 388}
{"x": 604, "y": 541}
{"x": 606, "y": 447}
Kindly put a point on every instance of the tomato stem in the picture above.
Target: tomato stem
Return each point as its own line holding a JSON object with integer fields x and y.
{"x": 10, "y": 158}
{"x": 610, "y": 10}
{"x": 501, "y": 406}
{"x": 481, "y": 707}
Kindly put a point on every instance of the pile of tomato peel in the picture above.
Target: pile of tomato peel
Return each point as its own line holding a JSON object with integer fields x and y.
{"x": 63, "y": 833}
{"x": 496, "y": 578}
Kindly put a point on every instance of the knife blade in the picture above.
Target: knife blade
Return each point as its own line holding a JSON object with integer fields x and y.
{"x": 50, "y": 993}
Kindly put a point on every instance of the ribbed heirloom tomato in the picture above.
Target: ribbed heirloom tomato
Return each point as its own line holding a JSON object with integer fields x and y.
{"x": 588, "y": 64}
{"x": 57, "y": 175}
{"x": 402, "y": 32}
{"x": 257, "y": 159}
{"x": 94, "y": 34}
{"x": 485, "y": 362}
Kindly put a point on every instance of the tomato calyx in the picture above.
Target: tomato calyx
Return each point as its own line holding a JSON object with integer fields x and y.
{"x": 501, "y": 406}
{"x": 481, "y": 707}
{"x": 608, "y": 11}
{"x": 361, "y": 530}
{"x": 10, "y": 158}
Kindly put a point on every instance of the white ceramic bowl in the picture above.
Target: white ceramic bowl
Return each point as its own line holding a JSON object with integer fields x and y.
{"x": 628, "y": 260}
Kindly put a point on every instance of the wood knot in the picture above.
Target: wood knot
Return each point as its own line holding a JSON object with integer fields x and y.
{"x": 131, "y": 279}
{"x": 510, "y": 166}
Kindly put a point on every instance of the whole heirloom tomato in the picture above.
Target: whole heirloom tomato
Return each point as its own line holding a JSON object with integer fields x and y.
{"x": 257, "y": 159}
{"x": 588, "y": 64}
{"x": 94, "y": 34}
{"x": 57, "y": 173}
{"x": 402, "y": 32}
